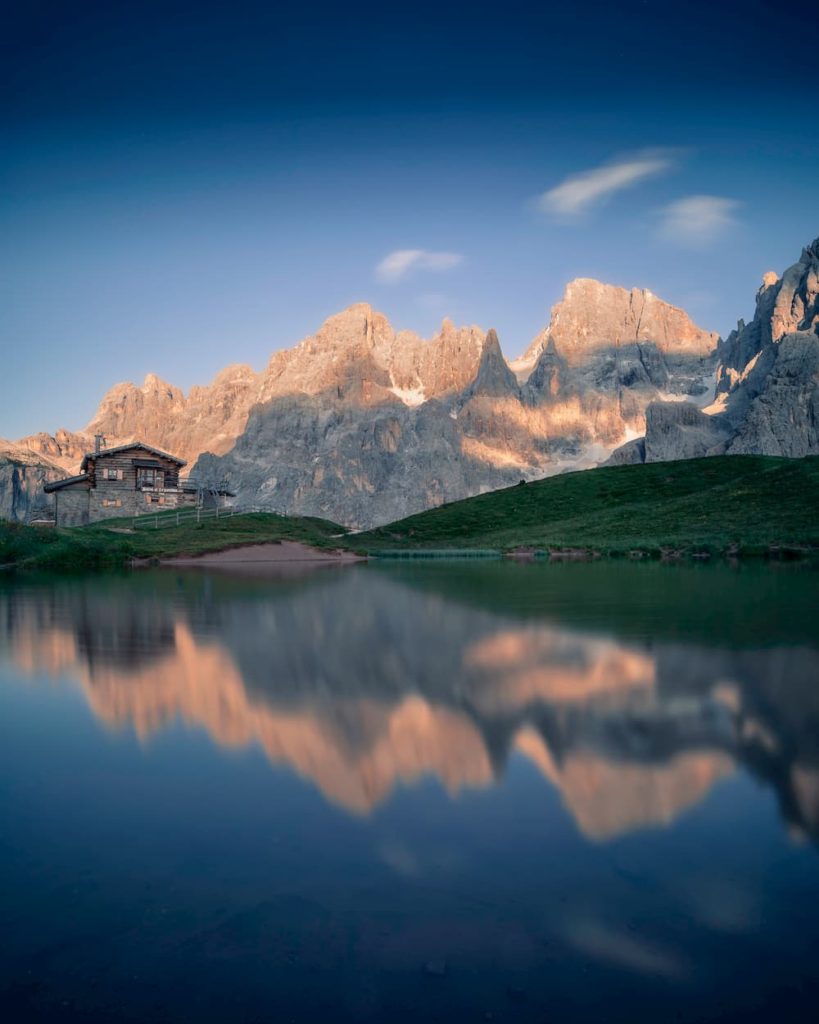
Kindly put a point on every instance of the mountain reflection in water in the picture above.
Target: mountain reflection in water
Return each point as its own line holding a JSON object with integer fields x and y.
{"x": 364, "y": 679}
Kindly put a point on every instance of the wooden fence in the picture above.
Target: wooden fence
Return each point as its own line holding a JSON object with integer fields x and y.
{"x": 183, "y": 516}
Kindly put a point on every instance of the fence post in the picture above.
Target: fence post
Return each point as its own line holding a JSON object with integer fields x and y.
{"x": 156, "y": 520}
{"x": 177, "y": 517}
{"x": 197, "y": 513}
{"x": 217, "y": 511}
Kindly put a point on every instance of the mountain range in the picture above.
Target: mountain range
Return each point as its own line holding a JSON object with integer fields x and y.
{"x": 363, "y": 425}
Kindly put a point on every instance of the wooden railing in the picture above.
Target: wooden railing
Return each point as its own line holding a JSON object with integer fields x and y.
{"x": 186, "y": 516}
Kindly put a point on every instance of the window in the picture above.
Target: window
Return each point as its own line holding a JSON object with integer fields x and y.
{"x": 112, "y": 502}
{"x": 149, "y": 478}
{"x": 112, "y": 474}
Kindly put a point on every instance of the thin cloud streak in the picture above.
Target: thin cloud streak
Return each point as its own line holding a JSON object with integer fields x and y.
{"x": 579, "y": 192}
{"x": 401, "y": 262}
{"x": 697, "y": 220}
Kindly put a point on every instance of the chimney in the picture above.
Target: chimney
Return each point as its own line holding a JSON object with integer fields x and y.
{"x": 99, "y": 443}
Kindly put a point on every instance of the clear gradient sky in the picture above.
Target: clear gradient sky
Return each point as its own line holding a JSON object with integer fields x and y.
{"x": 189, "y": 184}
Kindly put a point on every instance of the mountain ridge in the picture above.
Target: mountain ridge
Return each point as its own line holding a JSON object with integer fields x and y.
{"x": 421, "y": 420}
{"x": 364, "y": 424}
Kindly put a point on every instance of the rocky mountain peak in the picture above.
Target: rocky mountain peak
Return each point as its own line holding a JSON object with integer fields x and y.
{"x": 767, "y": 390}
{"x": 236, "y": 373}
{"x": 421, "y": 369}
{"x": 494, "y": 378}
{"x": 796, "y": 307}
{"x": 595, "y": 317}
{"x": 784, "y": 305}
{"x": 351, "y": 325}
{"x": 154, "y": 383}
{"x": 353, "y": 344}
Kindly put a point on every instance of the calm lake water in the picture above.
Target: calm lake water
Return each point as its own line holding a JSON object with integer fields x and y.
{"x": 411, "y": 792}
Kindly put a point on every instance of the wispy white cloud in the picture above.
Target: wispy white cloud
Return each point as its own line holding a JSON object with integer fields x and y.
{"x": 404, "y": 261}
{"x": 697, "y": 220}
{"x": 579, "y": 192}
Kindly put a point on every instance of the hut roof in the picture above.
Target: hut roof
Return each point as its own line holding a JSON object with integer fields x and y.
{"x": 103, "y": 452}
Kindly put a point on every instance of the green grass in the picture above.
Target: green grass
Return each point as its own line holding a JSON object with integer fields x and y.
{"x": 104, "y": 546}
{"x": 751, "y": 503}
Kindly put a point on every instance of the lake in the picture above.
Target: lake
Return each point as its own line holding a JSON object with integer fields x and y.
{"x": 456, "y": 791}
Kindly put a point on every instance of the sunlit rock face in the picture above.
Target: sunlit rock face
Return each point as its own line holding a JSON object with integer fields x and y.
{"x": 767, "y": 384}
{"x": 594, "y": 317}
{"x": 64, "y": 449}
{"x": 355, "y": 356}
{"x": 363, "y": 424}
{"x": 160, "y": 414}
{"x": 359, "y": 355}
{"x": 632, "y": 734}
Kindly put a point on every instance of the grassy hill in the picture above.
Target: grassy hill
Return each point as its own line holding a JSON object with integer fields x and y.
{"x": 106, "y": 545}
{"x": 749, "y": 502}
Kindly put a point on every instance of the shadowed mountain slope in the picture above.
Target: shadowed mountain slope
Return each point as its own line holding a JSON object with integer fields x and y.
{"x": 747, "y": 503}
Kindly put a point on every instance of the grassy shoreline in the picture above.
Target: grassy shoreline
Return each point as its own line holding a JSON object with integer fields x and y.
{"x": 739, "y": 506}
{"x": 734, "y": 506}
{"x": 111, "y": 544}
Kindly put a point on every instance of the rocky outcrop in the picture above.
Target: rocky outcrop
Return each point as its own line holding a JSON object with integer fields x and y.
{"x": 678, "y": 430}
{"x": 23, "y": 474}
{"x": 785, "y": 305}
{"x": 766, "y": 398}
{"x": 776, "y": 407}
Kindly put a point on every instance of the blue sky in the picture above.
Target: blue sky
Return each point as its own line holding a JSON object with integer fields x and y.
{"x": 187, "y": 185}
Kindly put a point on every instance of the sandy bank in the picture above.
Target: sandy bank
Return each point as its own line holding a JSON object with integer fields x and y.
{"x": 251, "y": 556}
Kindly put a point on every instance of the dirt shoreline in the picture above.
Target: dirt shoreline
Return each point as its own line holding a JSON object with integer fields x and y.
{"x": 279, "y": 553}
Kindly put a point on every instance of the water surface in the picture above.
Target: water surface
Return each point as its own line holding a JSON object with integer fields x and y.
{"x": 411, "y": 792}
